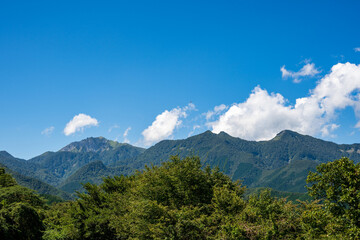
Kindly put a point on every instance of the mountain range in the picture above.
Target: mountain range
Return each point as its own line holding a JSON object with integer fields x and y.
{"x": 281, "y": 163}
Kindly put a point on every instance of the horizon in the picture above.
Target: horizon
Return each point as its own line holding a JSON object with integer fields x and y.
{"x": 143, "y": 72}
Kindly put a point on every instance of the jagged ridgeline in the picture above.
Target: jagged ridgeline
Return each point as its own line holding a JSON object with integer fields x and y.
{"x": 281, "y": 163}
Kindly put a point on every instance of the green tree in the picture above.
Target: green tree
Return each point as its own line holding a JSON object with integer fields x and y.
{"x": 337, "y": 185}
{"x": 6, "y": 180}
{"x": 20, "y": 210}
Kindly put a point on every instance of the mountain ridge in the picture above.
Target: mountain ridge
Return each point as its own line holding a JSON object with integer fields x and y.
{"x": 281, "y": 163}
{"x": 91, "y": 144}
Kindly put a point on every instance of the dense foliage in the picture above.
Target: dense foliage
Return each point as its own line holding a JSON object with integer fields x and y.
{"x": 181, "y": 199}
{"x": 338, "y": 185}
{"x": 20, "y": 210}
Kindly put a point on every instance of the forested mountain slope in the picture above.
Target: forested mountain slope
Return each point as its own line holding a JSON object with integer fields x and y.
{"x": 281, "y": 163}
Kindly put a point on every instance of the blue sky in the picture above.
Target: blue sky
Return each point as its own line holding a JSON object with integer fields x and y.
{"x": 159, "y": 68}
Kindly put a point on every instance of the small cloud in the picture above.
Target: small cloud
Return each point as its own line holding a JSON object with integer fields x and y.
{"x": 193, "y": 130}
{"x": 78, "y": 123}
{"x": 165, "y": 124}
{"x": 126, "y": 140}
{"x": 357, "y": 49}
{"x": 217, "y": 110}
{"x": 327, "y": 129}
{"x": 308, "y": 70}
{"x": 113, "y": 127}
{"x": 47, "y": 131}
{"x": 189, "y": 107}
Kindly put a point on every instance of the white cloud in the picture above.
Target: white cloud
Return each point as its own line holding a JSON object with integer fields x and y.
{"x": 165, "y": 124}
{"x": 327, "y": 129}
{"x": 217, "y": 110}
{"x": 263, "y": 115}
{"x": 193, "y": 130}
{"x": 47, "y": 131}
{"x": 78, "y": 123}
{"x": 357, "y": 49}
{"x": 308, "y": 70}
{"x": 113, "y": 127}
{"x": 126, "y": 140}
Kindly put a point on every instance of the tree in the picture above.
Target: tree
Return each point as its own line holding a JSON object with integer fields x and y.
{"x": 337, "y": 184}
{"x": 19, "y": 210}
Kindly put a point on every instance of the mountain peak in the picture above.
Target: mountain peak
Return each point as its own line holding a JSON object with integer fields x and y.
{"x": 5, "y": 154}
{"x": 208, "y": 132}
{"x": 286, "y": 135}
{"x": 222, "y": 133}
{"x": 91, "y": 144}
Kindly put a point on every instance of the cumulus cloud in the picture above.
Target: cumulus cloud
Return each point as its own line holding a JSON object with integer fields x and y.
{"x": 78, "y": 123}
{"x": 263, "y": 115}
{"x": 126, "y": 140}
{"x": 308, "y": 70}
{"x": 217, "y": 110}
{"x": 47, "y": 131}
{"x": 165, "y": 124}
{"x": 357, "y": 49}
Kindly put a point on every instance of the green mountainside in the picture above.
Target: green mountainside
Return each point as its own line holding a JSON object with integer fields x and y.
{"x": 93, "y": 173}
{"x": 91, "y": 144}
{"x": 37, "y": 185}
{"x": 51, "y": 169}
{"x": 62, "y": 164}
{"x": 281, "y": 163}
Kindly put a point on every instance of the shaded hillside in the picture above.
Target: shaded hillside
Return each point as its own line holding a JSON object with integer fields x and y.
{"x": 291, "y": 177}
{"x": 37, "y": 185}
{"x": 27, "y": 168}
{"x": 62, "y": 164}
{"x": 93, "y": 172}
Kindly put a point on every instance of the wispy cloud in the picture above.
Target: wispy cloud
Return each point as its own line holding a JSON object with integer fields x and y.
{"x": 217, "y": 110}
{"x": 78, "y": 123}
{"x": 193, "y": 130}
{"x": 113, "y": 127}
{"x": 126, "y": 140}
{"x": 47, "y": 131}
{"x": 308, "y": 70}
{"x": 165, "y": 124}
{"x": 357, "y": 49}
{"x": 263, "y": 115}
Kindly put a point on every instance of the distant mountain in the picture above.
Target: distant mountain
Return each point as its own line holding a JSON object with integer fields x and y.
{"x": 91, "y": 144}
{"x": 37, "y": 185}
{"x": 17, "y": 164}
{"x": 26, "y": 168}
{"x": 62, "y": 164}
{"x": 93, "y": 172}
{"x": 281, "y": 163}
{"x": 55, "y": 168}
